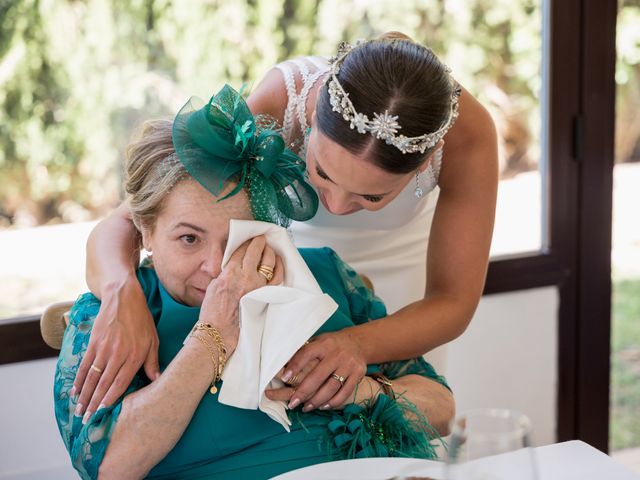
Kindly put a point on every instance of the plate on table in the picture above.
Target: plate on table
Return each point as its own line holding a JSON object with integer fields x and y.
{"x": 369, "y": 469}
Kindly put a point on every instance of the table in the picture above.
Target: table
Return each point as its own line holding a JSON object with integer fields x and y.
{"x": 574, "y": 460}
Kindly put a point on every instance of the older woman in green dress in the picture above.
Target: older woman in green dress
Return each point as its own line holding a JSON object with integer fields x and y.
{"x": 185, "y": 181}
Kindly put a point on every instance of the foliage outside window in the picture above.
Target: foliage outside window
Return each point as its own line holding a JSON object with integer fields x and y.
{"x": 76, "y": 77}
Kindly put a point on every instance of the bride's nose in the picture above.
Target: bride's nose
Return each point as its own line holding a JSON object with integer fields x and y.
{"x": 339, "y": 202}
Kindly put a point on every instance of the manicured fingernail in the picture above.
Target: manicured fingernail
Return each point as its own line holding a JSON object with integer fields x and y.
{"x": 86, "y": 417}
{"x": 294, "y": 403}
{"x": 72, "y": 392}
{"x": 287, "y": 376}
{"x": 78, "y": 410}
{"x": 100, "y": 407}
{"x": 325, "y": 407}
{"x": 308, "y": 407}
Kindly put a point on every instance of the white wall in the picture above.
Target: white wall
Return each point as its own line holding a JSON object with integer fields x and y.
{"x": 507, "y": 358}
{"x": 30, "y": 445}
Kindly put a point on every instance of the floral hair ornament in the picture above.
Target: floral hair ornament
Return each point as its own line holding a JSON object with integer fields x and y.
{"x": 384, "y": 126}
{"x": 222, "y": 141}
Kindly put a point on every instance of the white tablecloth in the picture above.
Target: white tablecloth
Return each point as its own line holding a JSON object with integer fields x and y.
{"x": 573, "y": 460}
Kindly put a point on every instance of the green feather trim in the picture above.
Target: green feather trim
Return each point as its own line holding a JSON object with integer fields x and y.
{"x": 379, "y": 429}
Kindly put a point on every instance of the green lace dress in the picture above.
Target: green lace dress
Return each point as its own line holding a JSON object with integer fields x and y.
{"x": 225, "y": 442}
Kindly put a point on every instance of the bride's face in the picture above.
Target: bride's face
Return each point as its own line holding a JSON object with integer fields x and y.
{"x": 189, "y": 238}
{"x": 346, "y": 182}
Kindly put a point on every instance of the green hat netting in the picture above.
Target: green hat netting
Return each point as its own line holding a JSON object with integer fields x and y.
{"x": 222, "y": 141}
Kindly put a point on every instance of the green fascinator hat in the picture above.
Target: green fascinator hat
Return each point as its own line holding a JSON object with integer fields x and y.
{"x": 222, "y": 141}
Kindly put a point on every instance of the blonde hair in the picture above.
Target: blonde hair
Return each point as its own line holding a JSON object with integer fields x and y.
{"x": 152, "y": 169}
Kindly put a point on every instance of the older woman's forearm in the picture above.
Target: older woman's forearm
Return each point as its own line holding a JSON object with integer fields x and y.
{"x": 431, "y": 398}
{"x": 113, "y": 252}
{"x": 153, "y": 419}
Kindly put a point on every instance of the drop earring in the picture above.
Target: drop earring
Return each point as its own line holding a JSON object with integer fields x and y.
{"x": 418, "y": 191}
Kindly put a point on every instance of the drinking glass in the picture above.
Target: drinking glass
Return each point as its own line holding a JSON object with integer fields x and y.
{"x": 491, "y": 444}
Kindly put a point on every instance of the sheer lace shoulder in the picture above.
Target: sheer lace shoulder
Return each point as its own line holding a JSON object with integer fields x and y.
{"x": 299, "y": 75}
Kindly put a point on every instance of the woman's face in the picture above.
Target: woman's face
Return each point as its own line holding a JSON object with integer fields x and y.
{"x": 190, "y": 236}
{"x": 346, "y": 182}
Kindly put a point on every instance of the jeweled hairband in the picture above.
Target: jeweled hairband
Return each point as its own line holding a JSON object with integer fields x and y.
{"x": 383, "y": 126}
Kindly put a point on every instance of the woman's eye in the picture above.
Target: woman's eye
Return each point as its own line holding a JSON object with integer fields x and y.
{"x": 321, "y": 174}
{"x": 189, "y": 239}
{"x": 373, "y": 198}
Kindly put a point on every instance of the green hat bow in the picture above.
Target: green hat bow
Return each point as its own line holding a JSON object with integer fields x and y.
{"x": 222, "y": 141}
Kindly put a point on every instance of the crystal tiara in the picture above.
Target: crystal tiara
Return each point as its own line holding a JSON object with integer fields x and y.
{"x": 383, "y": 126}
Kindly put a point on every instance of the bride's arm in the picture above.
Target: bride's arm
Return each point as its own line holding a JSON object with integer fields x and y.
{"x": 124, "y": 335}
{"x": 269, "y": 96}
{"x": 113, "y": 251}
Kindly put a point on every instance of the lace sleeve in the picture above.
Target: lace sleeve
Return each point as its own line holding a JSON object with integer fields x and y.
{"x": 86, "y": 444}
{"x": 364, "y": 305}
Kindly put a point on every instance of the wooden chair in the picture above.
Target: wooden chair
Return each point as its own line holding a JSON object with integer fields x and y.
{"x": 53, "y": 322}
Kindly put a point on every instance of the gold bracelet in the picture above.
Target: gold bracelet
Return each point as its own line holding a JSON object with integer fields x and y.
{"x": 214, "y": 360}
{"x": 385, "y": 384}
{"x": 213, "y": 333}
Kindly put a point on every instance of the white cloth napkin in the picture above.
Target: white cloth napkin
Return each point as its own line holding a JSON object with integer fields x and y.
{"x": 275, "y": 321}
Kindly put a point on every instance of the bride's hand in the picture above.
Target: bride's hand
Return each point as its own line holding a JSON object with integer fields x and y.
{"x": 366, "y": 390}
{"x": 124, "y": 337}
{"x": 327, "y": 370}
{"x": 239, "y": 276}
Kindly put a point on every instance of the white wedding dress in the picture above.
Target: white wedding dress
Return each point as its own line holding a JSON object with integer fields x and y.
{"x": 390, "y": 245}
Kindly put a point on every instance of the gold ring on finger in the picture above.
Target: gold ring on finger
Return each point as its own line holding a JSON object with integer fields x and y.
{"x": 293, "y": 381}
{"x": 266, "y": 272}
{"x": 96, "y": 369}
{"x": 265, "y": 268}
{"x": 339, "y": 378}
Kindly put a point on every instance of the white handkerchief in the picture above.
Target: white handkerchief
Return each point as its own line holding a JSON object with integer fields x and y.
{"x": 275, "y": 321}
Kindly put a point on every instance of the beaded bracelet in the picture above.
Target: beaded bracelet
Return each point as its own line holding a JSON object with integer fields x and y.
{"x": 213, "y": 333}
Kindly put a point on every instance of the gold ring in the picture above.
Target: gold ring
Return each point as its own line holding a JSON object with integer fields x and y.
{"x": 266, "y": 272}
{"x": 339, "y": 378}
{"x": 293, "y": 381}
{"x": 265, "y": 268}
{"x": 93, "y": 367}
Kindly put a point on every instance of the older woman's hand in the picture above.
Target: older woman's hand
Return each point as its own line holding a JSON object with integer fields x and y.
{"x": 324, "y": 372}
{"x": 239, "y": 276}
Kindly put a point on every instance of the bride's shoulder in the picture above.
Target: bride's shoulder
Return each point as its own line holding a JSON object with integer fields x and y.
{"x": 272, "y": 93}
{"x": 269, "y": 96}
